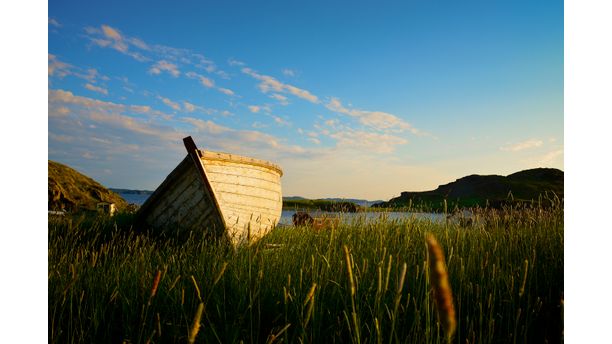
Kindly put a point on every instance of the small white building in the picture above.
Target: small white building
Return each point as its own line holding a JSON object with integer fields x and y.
{"x": 106, "y": 208}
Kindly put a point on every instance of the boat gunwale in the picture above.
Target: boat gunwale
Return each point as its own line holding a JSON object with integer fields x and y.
{"x": 239, "y": 159}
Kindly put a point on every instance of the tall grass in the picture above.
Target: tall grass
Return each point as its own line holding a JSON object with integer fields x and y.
{"x": 365, "y": 282}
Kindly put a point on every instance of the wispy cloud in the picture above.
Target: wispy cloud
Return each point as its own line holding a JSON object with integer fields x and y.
{"x": 54, "y": 22}
{"x": 375, "y": 119}
{"x": 281, "y": 99}
{"x": 58, "y": 68}
{"x": 234, "y": 62}
{"x": 106, "y": 36}
{"x": 269, "y": 83}
{"x": 96, "y": 112}
{"x": 225, "y": 91}
{"x": 165, "y": 66}
{"x": 288, "y": 72}
{"x": 96, "y": 89}
{"x": 61, "y": 138}
{"x": 206, "y": 82}
{"x": 367, "y": 141}
{"x": 174, "y": 105}
{"x": 113, "y": 122}
{"x": 109, "y": 37}
{"x": 528, "y": 144}
{"x": 209, "y": 83}
{"x": 254, "y": 108}
{"x": 189, "y": 107}
{"x": 245, "y": 141}
{"x": 551, "y": 157}
{"x": 207, "y": 126}
{"x": 280, "y": 121}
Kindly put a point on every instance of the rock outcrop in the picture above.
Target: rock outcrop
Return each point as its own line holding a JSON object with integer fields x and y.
{"x": 70, "y": 190}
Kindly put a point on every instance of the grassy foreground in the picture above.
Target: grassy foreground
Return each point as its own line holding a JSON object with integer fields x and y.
{"x": 109, "y": 284}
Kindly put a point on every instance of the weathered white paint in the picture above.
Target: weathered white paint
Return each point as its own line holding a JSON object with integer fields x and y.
{"x": 248, "y": 192}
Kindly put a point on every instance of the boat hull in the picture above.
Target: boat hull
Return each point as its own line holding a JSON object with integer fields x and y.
{"x": 248, "y": 192}
{"x": 226, "y": 196}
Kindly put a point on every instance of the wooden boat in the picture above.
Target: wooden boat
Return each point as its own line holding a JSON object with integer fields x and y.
{"x": 223, "y": 195}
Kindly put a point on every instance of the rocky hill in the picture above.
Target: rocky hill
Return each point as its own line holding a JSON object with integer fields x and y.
{"x": 73, "y": 191}
{"x": 478, "y": 190}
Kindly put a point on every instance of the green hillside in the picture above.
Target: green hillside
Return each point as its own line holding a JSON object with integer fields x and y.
{"x": 489, "y": 190}
{"x": 72, "y": 191}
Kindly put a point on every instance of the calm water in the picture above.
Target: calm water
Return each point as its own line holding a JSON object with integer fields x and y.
{"x": 137, "y": 199}
{"x": 286, "y": 216}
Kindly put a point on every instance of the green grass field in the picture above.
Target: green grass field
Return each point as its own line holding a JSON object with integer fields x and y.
{"x": 506, "y": 274}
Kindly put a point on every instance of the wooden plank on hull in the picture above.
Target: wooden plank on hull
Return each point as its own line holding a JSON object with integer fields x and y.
{"x": 168, "y": 204}
{"x": 263, "y": 212}
{"x": 248, "y": 191}
{"x": 175, "y": 191}
{"x": 241, "y": 160}
{"x": 224, "y": 178}
{"x": 161, "y": 190}
{"x": 185, "y": 205}
{"x": 233, "y": 198}
{"x": 245, "y": 171}
{"x": 194, "y": 153}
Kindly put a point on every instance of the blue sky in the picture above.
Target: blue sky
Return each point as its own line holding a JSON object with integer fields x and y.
{"x": 351, "y": 99}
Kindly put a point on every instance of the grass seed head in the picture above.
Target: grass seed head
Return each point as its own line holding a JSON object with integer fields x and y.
{"x": 195, "y": 327}
{"x": 442, "y": 290}
{"x": 155, "y": 283}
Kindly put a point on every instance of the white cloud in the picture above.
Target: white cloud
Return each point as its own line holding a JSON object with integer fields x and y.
{"x": 225, "y": 91}
{"x": 331, "y": 122}
{"x": 258, "y": 125}
{"x": 314, "y": 140}
{"x": 96, "y": 89}
{"x": 288, "y": 72}
{"x": 61, "y": 111}
{"x": 61, "y": 138}
{"x": 207, "y": 126}
{"x": 58, "y": 68}
{"x": 189, "y": 107}
{"x": 140, "y": 108}
{"x": 234, "y": 62}
{"x": 281, "y": 99}
{"x": 254, "y": 108}
{"x": 111, "y": 33}
{"x": 54, "y": 22}
{"x": 375, "y": 119}
{"x": 528, "y": 144}
{"x": 551, "y": 157}
{"x": 174, "y": 105}
{"x": 165, "y": 66}
{"x": 269, "y": 83}
{"x": 243, "y": 141}
{"x": 107, "y": 36}
{"x": 207, "y": 82}
{"x": 280, "y": 121}
{"x": 97, "y": 112}
{"x": 367, "y": 141}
